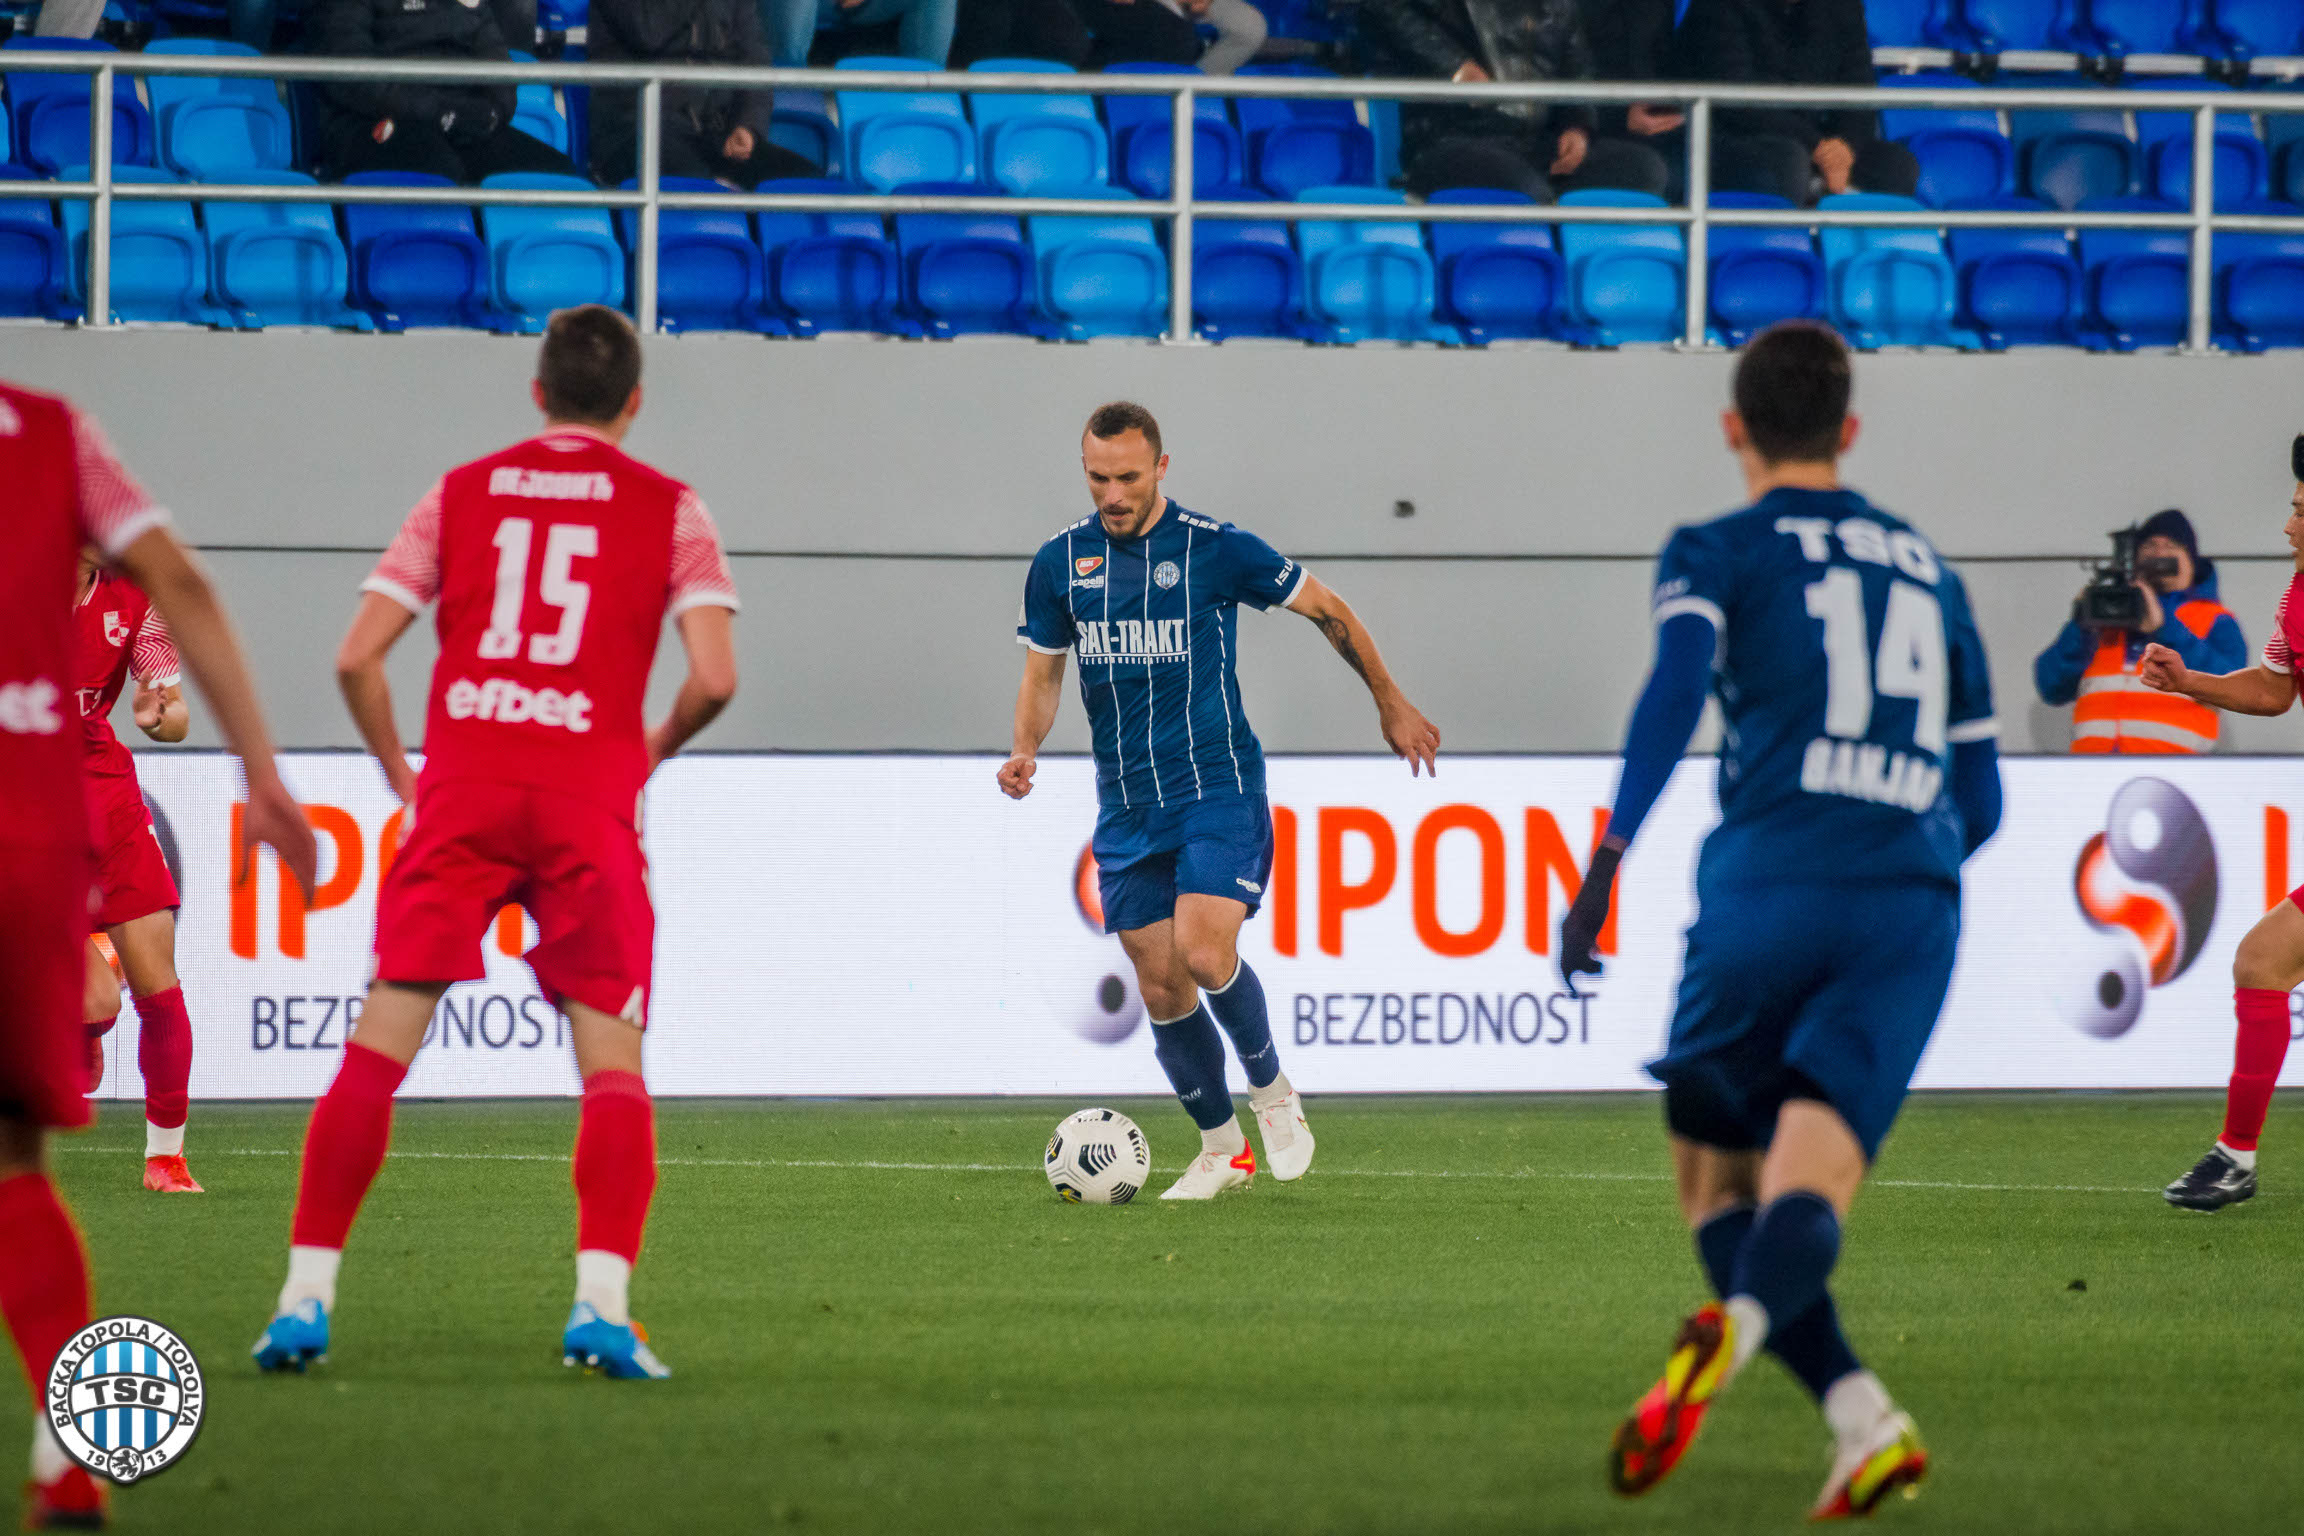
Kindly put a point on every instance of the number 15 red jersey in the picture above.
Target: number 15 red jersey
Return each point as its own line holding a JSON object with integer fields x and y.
{"x": 555, "y": 563}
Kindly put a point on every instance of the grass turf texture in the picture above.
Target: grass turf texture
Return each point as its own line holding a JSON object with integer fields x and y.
{"x": 1378, "y": 1347}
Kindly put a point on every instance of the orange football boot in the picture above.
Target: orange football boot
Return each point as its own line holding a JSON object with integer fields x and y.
{"x": 73, "y": 1502}
{"x": 169, "y": 1176}
{"x": 1651, "y": 1441}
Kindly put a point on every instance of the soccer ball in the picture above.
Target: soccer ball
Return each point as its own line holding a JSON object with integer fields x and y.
{"x": 1098, "y": 1157}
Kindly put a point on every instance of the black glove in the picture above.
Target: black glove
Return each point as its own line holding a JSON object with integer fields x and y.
{"x": 469, "y": 123}
{"x": 1587, "y": 915}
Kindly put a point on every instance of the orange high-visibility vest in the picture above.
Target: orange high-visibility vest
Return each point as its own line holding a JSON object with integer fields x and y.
{"x": 2116, "y": 712}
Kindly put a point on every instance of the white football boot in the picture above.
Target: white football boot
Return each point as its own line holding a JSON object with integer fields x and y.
{"x": 1212, "y": 1173}
{"x": 1888, "y": 1458}
{"x": 1287, "y": 1138}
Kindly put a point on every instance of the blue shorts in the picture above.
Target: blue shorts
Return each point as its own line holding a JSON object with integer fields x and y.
{"x": 1806, "y": 992}
{"x": 1148, "y": 855}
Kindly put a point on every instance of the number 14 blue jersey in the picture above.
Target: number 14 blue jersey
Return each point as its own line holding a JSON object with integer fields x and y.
{"x": 1847, "y": 667}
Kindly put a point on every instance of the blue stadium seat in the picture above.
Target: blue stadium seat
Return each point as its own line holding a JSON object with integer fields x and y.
{"x": 1247, "y": 279}
{"x": 1368, "y": 280}
{"x": 1963, "y": 154}
{"x": 536, "y": 111}
{"x": 829, "y": 271}
{"x": 1626, "y": 282}
{"x": 33, "y": 278}
{"x": 577, "y": 100}
{"x": 159, "y": 260}
{"x": 2164, "y": 139}
{"x": 1027, "y": 143}
{"x": 2018, "y": 286}
{"x": 2138, "y": 288}
{"x": 710, "y": 275}
{"x": 563, "y": 15}
{"x": 2069, "y": 158}
{"x": 2260, "y": 285}
{"x": 543, "y": 259}
{"x": 898, "y": 136}
{"x": 2122, "y": 27}
{"x": 966, "y": 273}
{"x": 1293, "y": 145}
{"x": 417, "y": 264}
{"x": 49, "y": 113}
{"x": 1144, "y": 138}
{"x": 209, "y": 127}
{"x": 2247, "y": 29}
{"x": 2284, "y": 140}
{"x": 278, "y": 263}
{"x": 1888, "y": 287}
{"x": 2003, "y": 26}
{"x": 1906, "y": 23}
{"x": 1100, "y": 275}
{"x": 801, "y": 121}
{"x": 1760, "y": 275}
{"x": 1498, "y": 281}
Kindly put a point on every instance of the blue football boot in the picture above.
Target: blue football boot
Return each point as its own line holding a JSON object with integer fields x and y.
{"x": 620, "y": 1353}
{"x": 296, "y": 1338}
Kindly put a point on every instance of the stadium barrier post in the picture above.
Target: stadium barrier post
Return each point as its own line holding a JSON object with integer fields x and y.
{"x": 1182, "y": 108}
{"x": 1699, "y": 285}
{"x": 2202, "y": 337}
{"x": 651, "y": 187}
{"x": 100, "y": 215}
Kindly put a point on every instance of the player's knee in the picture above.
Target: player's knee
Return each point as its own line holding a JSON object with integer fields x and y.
{"x": 100, "y": 994}
{"x": 2267, "y": 961}
{"x": 1211, "y": 959}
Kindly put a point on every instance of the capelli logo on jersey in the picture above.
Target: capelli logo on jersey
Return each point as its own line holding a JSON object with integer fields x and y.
{"x": 2146, "y": 885}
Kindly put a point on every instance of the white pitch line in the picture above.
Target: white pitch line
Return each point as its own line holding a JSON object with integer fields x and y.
{"x": 876, "y": 1165}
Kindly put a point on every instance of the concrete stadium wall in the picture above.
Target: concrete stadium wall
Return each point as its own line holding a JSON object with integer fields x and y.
{"x": 880, "y": 498}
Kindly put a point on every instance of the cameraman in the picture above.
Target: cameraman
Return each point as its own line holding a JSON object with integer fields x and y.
{"x": 2116, "y": 712}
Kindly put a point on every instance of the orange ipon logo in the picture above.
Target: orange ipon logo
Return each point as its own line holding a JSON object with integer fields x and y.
{"x": 344, "y": 860}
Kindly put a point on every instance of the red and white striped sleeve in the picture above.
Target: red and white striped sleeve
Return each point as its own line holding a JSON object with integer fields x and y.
{"x": 700, "y": 575}
{"x": 2277, "y": 655}
{"x": 153, "y": 657}
{"x": 114, "y": 510}
{"x": 409, "y": 573}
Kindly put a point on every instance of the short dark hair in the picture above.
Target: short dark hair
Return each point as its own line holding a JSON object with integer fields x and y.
{"x": 1118, "y": 418}
{"x": 590, "y": 364}
{"x": 1792, "y": 387}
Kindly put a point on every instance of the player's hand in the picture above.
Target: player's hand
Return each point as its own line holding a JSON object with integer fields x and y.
{"x": 402, "y": 778}
{"x": 659, "y": 747}
{"x": 273, "y": 817}
{"x": 1410, "y": 735}
{"x": 2163, "y": 669}
{"x": 149, "y": 707}
{"x": 1016, "y": 776}
{"x": 1587, "y": 915}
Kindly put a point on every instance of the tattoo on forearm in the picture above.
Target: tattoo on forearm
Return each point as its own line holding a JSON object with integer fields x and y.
{"x": 1340, "y": 636}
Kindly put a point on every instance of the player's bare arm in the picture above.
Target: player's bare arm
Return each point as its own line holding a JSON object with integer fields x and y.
{"x": 1405, "y": 729}
{"x": 187, "y": 602}
{"x": 1036, "y": 700}
{"x": 161, "y": 712}
{"x": 376, "y": 627}
{"x": 707, "y": 634}
{"x": 2256, "y": 690}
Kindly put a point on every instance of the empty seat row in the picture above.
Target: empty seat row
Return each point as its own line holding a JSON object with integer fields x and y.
{"x": 2212, "y": 29}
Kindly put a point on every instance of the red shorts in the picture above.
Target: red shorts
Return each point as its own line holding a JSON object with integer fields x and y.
{"x": 577, "y": 869}
{"x": 44, "y": 893}
{"x": 132, "y": 878}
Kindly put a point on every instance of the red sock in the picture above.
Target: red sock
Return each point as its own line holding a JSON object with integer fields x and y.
{"x": 164, "y": 1056}
{"x": 615, "y": 1164}
{"x": 2256, "y": 1058}
{"x": 43, "y": 1273}
{"x": 344, "y": 1146}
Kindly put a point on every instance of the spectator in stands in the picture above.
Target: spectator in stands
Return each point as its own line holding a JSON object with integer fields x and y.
{"x": 1020, "y": 29}
{"x": 718, "y": 135}
{"x": 2115, "y": 711}
{"x": 923, "y": 27}
{"x": 1791, "y": 153}
{"x": 1523, "y": 146}
{"x": 1633, "y": 40}
{"x": 1168, "y": 32}
{"x": 462, "y": 132}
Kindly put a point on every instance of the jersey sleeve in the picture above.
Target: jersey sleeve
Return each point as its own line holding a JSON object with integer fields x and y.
{"x": 2277, "y": 656}
{"x": 1968, "y": 703}
{"x": 1694, "y": 577}
{"x": 409, "y": 573}
{"x": 153, "y": 656}
{"x": 700, "y": 575}
{"x": 1044, "y": 618}
{"x": 114, "y": 510}
{"x": 1253, "y": 572}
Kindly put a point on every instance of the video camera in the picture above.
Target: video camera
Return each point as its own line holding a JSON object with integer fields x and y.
{"x": 2110, "y": 600}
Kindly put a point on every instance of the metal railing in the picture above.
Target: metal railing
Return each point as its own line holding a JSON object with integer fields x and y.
{"x": 2202, "y": 221}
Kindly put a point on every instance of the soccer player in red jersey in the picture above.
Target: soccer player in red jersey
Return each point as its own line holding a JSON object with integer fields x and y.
{"x": 554, "y": 563}
{"x": 2270, "y": 964}
{"x": 60, "y": 487}
{"x": 122, "y": 633}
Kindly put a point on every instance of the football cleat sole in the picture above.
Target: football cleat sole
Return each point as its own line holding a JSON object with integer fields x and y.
{"x": 1663, "y": 1424}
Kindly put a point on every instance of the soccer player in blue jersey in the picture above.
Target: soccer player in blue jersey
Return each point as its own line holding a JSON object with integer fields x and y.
{"x": 1148, "y": 594}
{"x": 1859, "y": 771}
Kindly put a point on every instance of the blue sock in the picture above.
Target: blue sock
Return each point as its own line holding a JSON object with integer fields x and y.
{"x": 1240, "y": 1009}
{"x": 1811, "y": 1345}
{"x": 1718, "y": 1242}
{"x": 1192, "y": 1055}
{"x": 1788, "y": 1256}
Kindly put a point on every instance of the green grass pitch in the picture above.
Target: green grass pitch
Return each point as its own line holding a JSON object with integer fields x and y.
{"x": 880, "y": 1319}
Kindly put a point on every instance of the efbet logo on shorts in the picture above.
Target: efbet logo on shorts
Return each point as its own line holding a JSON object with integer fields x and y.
{"x": 2147, "y": 885}
{"x": 125, "y": 1398}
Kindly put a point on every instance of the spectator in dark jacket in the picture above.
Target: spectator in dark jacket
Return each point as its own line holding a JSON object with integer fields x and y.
{"x": 1632, "y": 40}
{"x": 1019, "y": 29}
{"x": 1783, "y": 150}
{"x": 1524, "y": 146}
{"x": 460, "y": 131}
{"x": 710, "y": 133}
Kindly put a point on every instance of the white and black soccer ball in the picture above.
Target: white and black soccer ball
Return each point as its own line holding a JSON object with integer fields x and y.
{"x": 1098, "y": 1157}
